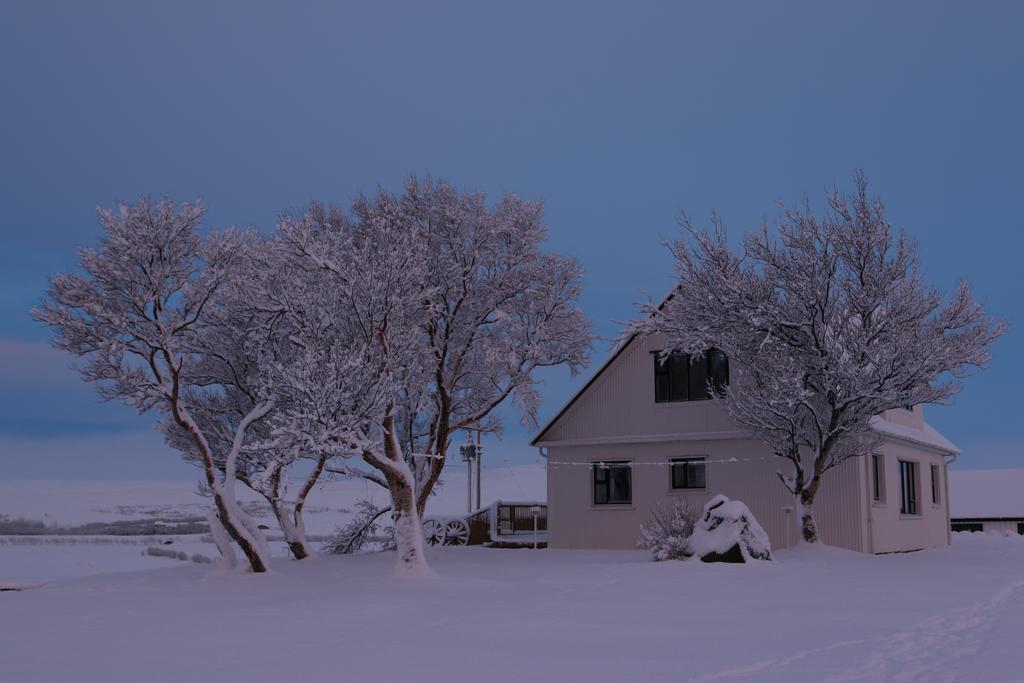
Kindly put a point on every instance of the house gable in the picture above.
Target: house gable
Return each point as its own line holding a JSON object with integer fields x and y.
{"x": 617, "y": 403}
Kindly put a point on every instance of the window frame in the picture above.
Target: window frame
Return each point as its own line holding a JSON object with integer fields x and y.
{"x": 933, "y": 471}
{"x": 683, "y": 460}
{"x": 878, "y": 478}
{"x": 683, "y": 394}
{"x": 606, "y": 466}
{"x": 910, "y": 488}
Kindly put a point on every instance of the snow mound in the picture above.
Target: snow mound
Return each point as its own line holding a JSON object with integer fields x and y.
{"x": 728, "y": 532}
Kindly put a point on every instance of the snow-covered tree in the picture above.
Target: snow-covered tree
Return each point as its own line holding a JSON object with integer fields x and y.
{"x": 355, "y": 290}
{"x": 147, "y": 316}
{"x": 498, "y": 308}
{"x": 826, "y": 326}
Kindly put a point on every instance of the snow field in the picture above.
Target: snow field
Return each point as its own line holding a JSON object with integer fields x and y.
{"x": 813, "y": 614}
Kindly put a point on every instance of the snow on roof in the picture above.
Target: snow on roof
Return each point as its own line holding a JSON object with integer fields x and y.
{"x": 986, "y": 493}
{"x": 928, "y": 436}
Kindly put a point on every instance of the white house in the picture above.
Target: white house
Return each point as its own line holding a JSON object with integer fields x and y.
{"x": 640, "y": 432}
{"x": 987, "y": 500}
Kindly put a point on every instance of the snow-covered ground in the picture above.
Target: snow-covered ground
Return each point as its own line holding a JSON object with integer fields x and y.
{"x": 69, "y": 503}
{"x": 954, "y": 614}
{"x": 96, "y": 609}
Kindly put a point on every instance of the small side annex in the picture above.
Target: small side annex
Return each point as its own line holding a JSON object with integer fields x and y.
{"x": 641, "y": 432}
{"x": 987, "y": 500}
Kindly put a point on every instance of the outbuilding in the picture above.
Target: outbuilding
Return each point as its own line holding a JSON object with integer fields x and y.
{"x": 987, "y": 500}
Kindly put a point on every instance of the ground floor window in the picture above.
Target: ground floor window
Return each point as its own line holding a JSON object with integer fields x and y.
{"x": 967, "y": 526}
{"x": 908, "y": 487}
{"x": 689, "y": 473}
{"x": 936, "y": 498}
{"x": 613, "y": 482}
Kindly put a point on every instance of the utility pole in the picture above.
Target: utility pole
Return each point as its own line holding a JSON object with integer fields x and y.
{"x": 469, "y": 480}
{"x": 479, "y": 457}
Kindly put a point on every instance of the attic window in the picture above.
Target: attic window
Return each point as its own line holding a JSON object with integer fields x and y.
{"x": 681, "y": 377}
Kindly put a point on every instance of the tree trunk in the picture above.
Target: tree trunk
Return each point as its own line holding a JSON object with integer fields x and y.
{"x": 808, "y": 527}
{"x": 238, "y": 525}
{"x": 291, "y": 521}
{"x": 426, "y": 486}
{"x": 408, "y": 528}
{"x": 228, "y": 559}
{"x": 295, "y": 541}
{"x": 805, "y": 505}
{"x": 412, "y": 561}
{"x": 298, "y": 521}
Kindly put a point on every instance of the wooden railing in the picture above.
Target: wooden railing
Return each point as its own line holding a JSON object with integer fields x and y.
{"x": 513, "y": 518}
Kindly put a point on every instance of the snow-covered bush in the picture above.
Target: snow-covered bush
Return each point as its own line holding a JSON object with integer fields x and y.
{"x": 728, "y": 532}
{"x": 363, "y": 532}
{"x": 157, "y": 551}
{"x": 667, "y": 533}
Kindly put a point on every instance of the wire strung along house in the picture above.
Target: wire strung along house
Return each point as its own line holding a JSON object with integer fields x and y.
{"x": 642, "y": 432}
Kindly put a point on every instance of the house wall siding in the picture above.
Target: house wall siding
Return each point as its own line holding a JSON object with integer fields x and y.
{"x": 575, "y": 522}
{"x": 620, "y": 402}
{"x": 617, "y": 418}
{"x": 893, "y": 531}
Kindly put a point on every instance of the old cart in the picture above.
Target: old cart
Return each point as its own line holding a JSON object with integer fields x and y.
{"x": 502, "y": 524}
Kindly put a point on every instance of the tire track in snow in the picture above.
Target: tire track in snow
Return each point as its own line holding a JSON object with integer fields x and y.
{"x": 774, "y": 664}
{"x": 930, "y": 651}
{"x": 926, "y": 653}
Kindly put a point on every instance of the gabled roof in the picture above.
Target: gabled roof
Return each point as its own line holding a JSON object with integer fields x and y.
{"x": 616, "y": 352}
{"x": 927, "y": 436}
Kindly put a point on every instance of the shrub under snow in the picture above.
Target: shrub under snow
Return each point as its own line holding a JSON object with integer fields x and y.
{"x": 725, "y": 532}
{"x": 728, "y": 532}
{"x": 667, "y": 534}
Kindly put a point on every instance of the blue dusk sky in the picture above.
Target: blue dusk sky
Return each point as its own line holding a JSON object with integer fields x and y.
{"x": 618, "y": 116}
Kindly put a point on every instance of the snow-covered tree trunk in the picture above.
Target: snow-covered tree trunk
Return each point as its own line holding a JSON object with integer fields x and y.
{"x": 235, "y": 521}
{"x": 412, "y": 560}
{"x": 291, "y": 521}
{"x": 298, "y": 520}
{"x": 228, "y": 558}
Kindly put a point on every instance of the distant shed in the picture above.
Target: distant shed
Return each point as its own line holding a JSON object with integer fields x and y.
{"x": 987, "y": 500}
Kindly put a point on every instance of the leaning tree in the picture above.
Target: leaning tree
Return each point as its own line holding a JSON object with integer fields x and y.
{"x": 827, "y": 324}
{"x": 149, "y": 316}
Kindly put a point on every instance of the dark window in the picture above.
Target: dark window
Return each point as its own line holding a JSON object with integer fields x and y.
{"x": 718, "y": 369}
{"x": 936, "y": 498}
{"x": 877, "y": 477}
{"x": 612, "y": 483}
{"x": 689, "y": 473}
{"x": 966, "y": 526}
{"x": 682, "y": 378}
{"x": 908, "y": 487}
{"x": 1020, "y": 528}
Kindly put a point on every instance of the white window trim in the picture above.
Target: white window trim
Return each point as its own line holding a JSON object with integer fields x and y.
{"x": 631, "y": 505}
{"x": 917, "y": 480}
{"x": 881, "y": 501}
{"x": 690, "y": 492}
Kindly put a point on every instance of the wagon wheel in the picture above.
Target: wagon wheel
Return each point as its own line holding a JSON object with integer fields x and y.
{"x": 456, "y": 532}
{"x": 433, "y": 532}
